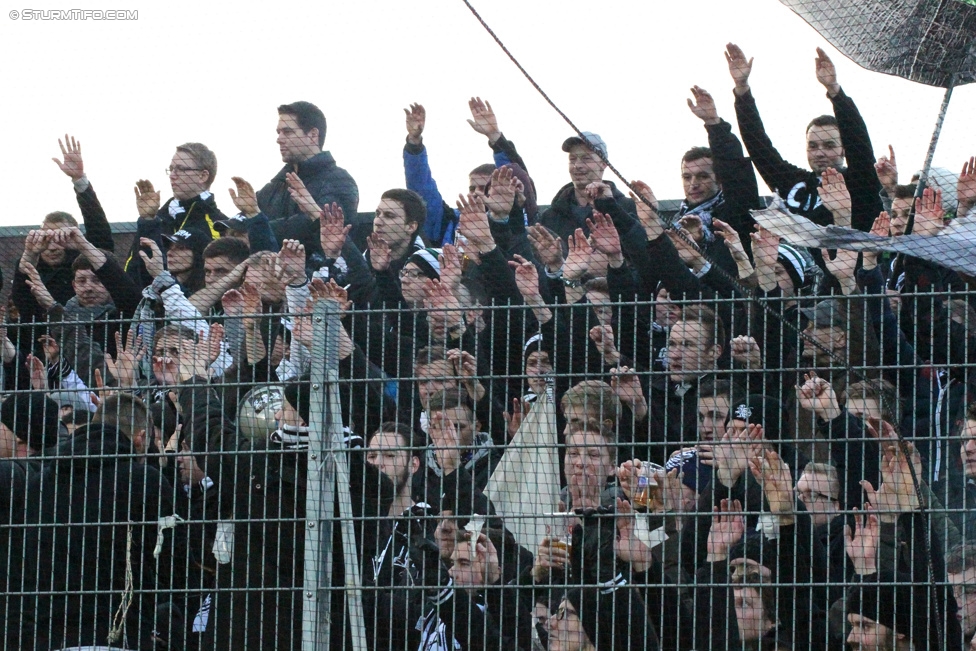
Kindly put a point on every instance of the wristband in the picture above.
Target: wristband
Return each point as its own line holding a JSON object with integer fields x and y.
{"x": 578, "y": 282}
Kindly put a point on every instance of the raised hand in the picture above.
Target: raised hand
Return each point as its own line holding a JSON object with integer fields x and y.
{"x": 728, "y": 527}
{"x": 929, "y": 214}
{"x": 690, "y": 254}
{"x": 745, "y": 350}
{"x": 882, "y": 225}
{"x": 817, "y": 395}
{"x": 37, "y": 286}
{"x": 332, "y": 230}
{"x": 774, "y": 475}
{"x": 274, "y": 280}
{"x": 526, "y": 278}
{"x": 416, "y": 120}
{"x": 466, "y": 369}
{"x": 73, "y": 164}
{"x": 733, "y": 452}
{"x": 599, "y": 190}
{"x": 166, "y": 369}
{"x": 301, "y": 196}
{"x": 966, "y": 187}
{"x": 501, "y": 193}
{"x": 604, "y": 236}
{"x": 291, "y": 257}
{"x": 843, "y": 267}
{"x": 127, "y": 357}
{"x": 513, "y": 419}
{"x": 473, "y": 223}
{"x": 730, "y": 236}
{"x": 38, "y": 373}
{"x": 835, "y": 196}
{"x": 147, "y": 199}
{"x": 483, "y": 119}
{"x": 35, "y": 244}
{"x": 547, "y": 246}
{"x": 861, "y": 545}
{"x": 154, "y": 264}
{"x": 445, "y": 315}
{"x": 244, "y": 197}
{"x": 626, "y": 385}
{"x": 765, "y": 252}
{"x": 739, "y": 67}
{"x": 692, "y": 224}
{"x": 332, "y": 291}
{"x": 51, "y": 348}
{"x": 578, "y": 257}
{"x": 602, "y": 337}
{"x": 626, "y": 545}
{"x": 647, "y": 207}
{"x": 826, "y": 73}
{"x": 451, "y": 266}
{"x": 882, "y": 228}
{"x": 887, "y": 170}
{"x": 703, "y": 106}
{"x": 233, "y": 302}
{"x": 380, "y": 254}
{"x": 215, "y": 343}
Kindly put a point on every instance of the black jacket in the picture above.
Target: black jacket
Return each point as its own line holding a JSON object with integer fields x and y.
{"x": 95, "y": 504}
{"x": 798, "y": 186}
{"x": 565, "y": 215}
{"x": 738, "y": 180}
{"x": 326, "y": 181}
{"x": 199, "y": 213}
{"x": 57, "y": 278}
{"x": 259, "y": 601}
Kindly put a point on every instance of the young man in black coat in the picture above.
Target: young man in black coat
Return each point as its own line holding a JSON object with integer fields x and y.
{"x": 830, "y": 140}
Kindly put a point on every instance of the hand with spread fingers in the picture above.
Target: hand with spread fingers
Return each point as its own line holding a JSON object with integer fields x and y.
{"x": 73, "y": 165}
{"x": 728, "y": 527}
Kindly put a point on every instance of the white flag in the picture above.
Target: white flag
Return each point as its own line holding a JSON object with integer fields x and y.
{"x": 525, "y": 485}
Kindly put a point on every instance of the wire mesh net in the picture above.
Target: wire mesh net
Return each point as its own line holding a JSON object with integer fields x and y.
{"x": 742, "y": 419}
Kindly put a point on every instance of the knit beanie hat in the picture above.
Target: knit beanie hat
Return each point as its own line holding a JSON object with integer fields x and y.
{"x": 428, "y": 261}
{"x": 793, "y": 261}
{"x": 33, "y": 418}
{"x": 905, "y": 609}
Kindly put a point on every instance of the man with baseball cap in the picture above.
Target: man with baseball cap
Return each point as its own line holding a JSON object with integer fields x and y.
{"x": 587, "y": 191}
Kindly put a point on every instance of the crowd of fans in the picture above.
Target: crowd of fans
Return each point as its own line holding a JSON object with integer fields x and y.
{"x": 759, "y": 445}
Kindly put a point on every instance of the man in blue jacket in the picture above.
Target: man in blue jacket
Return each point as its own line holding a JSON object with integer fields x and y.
{"x": 442, "y": 219}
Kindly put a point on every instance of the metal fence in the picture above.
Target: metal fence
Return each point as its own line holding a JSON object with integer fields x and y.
{"x": 676, "y": 474}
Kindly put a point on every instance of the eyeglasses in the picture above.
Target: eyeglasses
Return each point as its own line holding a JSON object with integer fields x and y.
{"x": 179, "y": 169}
{"x": 411, "y": 274}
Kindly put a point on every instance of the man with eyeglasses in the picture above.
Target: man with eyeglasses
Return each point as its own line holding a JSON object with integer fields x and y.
{"x": 191, "y": 172}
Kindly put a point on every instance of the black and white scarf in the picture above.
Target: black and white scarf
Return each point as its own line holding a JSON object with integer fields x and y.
{"x": 704, "y": 212}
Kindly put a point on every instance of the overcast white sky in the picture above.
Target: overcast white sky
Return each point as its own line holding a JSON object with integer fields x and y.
{"x": 191, "y": 71}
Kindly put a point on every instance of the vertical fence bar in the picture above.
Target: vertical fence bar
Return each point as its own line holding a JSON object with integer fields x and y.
{"x": 328, "y": 480}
